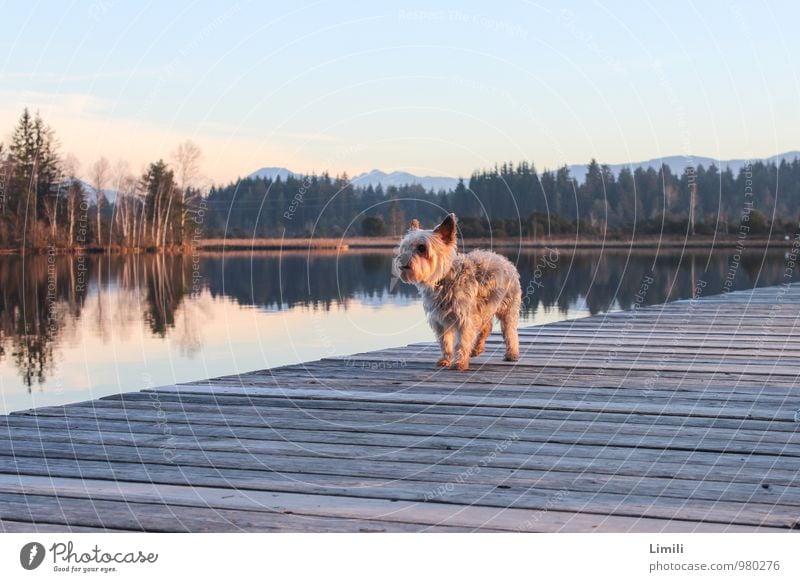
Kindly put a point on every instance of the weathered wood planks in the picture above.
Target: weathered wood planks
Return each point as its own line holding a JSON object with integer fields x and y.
{"x": 676, "y": 417}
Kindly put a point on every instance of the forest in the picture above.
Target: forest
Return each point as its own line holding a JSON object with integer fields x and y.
{"x": 514, "y": 200}
{"x": 44, "y": 202}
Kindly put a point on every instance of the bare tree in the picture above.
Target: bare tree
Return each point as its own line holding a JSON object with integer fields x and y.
{"x": 187, "y": 158}
{"x": 138, "y": 207}
{"x": 66, "y": 177}
{"x": 6, "y": 169}
{"x": 134, "y": 208}
{"x": 129, "y": 206}
{"x": 99, "y": 174}
{"x": 71, "y": 167}
{"x": 124, "y": 217}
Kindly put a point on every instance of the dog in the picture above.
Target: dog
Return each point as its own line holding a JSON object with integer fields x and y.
{"x": 461, "y": 293}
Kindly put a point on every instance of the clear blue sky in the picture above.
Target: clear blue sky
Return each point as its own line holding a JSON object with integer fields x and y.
{"x": 434, "y": 88}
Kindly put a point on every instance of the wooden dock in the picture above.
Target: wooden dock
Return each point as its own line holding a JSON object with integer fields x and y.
{"x": 673, "y": 418}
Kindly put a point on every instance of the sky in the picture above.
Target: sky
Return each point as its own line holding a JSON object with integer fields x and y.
{"x": 433, "y": 88}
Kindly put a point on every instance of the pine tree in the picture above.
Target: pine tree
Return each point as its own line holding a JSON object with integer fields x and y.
{"x": 162, "y": 205}
{"x": 35, "y": 164}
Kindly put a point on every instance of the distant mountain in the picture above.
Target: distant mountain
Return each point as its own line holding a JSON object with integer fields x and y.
{"x": 578, "y": 171}
{"x": 372, "y": 178}
{"x": 677, "y": 164}
{"x": 272, "y": 173}
{"x": 91, "y": 194}
{"x": 376, "y": 177}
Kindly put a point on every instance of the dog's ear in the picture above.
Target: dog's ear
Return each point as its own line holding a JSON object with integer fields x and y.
{"x": 447, "y": 230}
{"x": 414, "y": 225}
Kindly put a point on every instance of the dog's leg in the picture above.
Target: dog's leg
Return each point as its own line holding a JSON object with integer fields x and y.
{"x": 509, "y": 319}
{"x": 446, "y": 337}
{"x": 466, "y": 341}
{"x": 480, "y": 344}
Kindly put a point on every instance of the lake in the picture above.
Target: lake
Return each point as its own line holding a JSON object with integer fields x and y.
{"x": 77, "y": 328}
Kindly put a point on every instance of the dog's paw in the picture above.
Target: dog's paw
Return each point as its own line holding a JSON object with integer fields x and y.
{"x": 477, "y": 351}
{"x": 461, "y": 365}
{"x": 443, "y": 363}
{"x": 512, "y": 356}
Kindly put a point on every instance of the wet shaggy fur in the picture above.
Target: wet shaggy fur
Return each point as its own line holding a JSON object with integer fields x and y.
{"x": 461, "y": 293}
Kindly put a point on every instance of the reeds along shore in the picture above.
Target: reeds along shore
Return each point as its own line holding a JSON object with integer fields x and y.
{"x": 755, "y": 243}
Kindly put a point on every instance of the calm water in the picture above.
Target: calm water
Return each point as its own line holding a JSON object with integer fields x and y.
{"x": 73, "y": 330}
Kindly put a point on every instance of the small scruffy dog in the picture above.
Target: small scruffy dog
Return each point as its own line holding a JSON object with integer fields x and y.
{"x": 461, "y": 293}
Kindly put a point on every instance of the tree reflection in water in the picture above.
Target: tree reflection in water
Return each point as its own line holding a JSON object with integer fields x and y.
{"x": 42, "y": 297}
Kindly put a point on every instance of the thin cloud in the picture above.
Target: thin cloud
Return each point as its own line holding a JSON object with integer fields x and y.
{"x": 85, "y": 127}
{"x": 230, "y": 129}
{"x": 49, "y": 77}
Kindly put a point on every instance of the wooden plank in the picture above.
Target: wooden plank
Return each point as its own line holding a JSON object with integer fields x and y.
{"x": 456, "y": 436}
{"x": 426, "y": 374}
{"x": 413, "y": 373}
{"x": 655, "y": 403}
{"x": 499, "y": 495}
{"x": 697, "y": 334}
{"x": 610, "y": 404}
{"x": 292, "y": 417}
{"x": 672, "y": 364}
{"x": 689, "y": 360}
{"x": 11, "y": 526}
{"x": 692, "y": 465}
{"x": 448, "y": 413}
{"x": 159, "y": 517}
{"x": 570, "y": 457}
{"x": 392, "y": 470}
{"x": 467, "y": 427}
{"x": 741, "y": 483}
{"x": 445, "y": 413}
{"x": 677, "y": 396}
{"x": 474, "y": 518}
{"x": 542, "y": 373}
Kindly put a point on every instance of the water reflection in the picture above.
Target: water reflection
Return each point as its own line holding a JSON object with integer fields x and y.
{"x": 38, "y": 297}
{"x": 120, "y": 305}
{"x": 607, "y": 280}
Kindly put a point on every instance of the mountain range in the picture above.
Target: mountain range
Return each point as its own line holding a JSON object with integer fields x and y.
{"x": 372, "y": 178}
{"x": 679, "y": 163}
{"x": 676, "y": 163}
{"x": 91, "y": 193}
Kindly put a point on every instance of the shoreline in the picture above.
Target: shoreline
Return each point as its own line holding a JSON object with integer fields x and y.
{"x": 566, "y": 243}
{"x": 383, "y": 243}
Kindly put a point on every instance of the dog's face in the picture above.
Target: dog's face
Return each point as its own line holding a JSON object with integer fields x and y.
{"x": 424, "y": 256}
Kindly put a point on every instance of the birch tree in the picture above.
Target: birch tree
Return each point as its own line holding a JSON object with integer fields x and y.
{"x": 99, "y": 174}
{"x": 187, "y": 158}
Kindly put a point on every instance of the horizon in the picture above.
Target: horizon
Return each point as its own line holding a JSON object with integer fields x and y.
{"x": 433, "y": 91}
{"x": 787, "y": 155}
{"x": 353, "y": 176}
